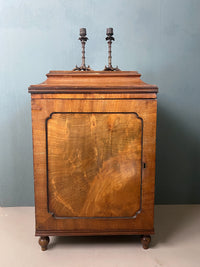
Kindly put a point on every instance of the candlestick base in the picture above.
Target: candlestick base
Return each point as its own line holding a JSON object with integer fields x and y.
{"x": 82, "y": 68}
{"x": 110, "y": 68}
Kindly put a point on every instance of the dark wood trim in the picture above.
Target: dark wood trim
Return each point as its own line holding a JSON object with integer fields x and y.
{"x": 85, "y": 90}
{"x": 74, "y": 99}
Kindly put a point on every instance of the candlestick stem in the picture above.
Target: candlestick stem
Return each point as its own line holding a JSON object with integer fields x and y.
{"x": 109, "y": 54}
{"x": 83, "y": 54}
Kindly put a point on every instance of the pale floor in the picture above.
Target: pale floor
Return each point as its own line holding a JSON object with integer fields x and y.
{"x": 176, "y": 243}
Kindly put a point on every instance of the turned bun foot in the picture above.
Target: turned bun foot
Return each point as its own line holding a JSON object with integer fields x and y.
{"x": 44, "y": 241}
{"x": 145, "y": 240}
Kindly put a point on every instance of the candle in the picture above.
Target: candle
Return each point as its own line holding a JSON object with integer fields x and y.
{"x": 109, "y": 31}
{"x": 83, "y": 32}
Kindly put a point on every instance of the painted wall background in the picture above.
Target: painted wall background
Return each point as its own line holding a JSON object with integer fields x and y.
{"x": 158, "y": 38}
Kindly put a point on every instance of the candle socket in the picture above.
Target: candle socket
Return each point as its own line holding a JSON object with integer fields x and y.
{"x": 109, "y": 31}
{"x": 83, "y": 32}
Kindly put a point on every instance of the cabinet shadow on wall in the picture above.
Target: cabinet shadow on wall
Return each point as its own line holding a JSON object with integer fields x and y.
{"x": 177, "y": 161}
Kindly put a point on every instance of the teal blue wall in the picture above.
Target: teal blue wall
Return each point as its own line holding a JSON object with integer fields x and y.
{"x": 158, "y": 38}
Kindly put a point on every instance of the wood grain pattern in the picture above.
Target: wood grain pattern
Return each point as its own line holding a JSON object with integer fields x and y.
{"x": 94, "y": 164}
{"x": 95, "y": 96}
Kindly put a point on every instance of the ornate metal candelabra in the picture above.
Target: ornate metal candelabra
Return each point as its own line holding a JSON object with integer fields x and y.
{"x": 83, "y": 40}
{"x": 110, "y": 38}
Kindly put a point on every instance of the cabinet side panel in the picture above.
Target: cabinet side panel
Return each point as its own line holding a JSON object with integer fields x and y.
{"x": 39, "y": 160}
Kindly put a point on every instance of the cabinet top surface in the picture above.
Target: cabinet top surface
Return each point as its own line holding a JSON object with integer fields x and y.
{"x": 94, "y": 82}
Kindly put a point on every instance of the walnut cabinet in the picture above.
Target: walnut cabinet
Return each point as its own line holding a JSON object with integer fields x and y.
{"x": 94, "y": 137}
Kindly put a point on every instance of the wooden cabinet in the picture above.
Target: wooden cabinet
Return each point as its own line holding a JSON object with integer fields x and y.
{"x": 94, "y": 136}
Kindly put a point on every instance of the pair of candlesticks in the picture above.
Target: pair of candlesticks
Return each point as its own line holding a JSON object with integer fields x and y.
{"x": 109, "y": 39}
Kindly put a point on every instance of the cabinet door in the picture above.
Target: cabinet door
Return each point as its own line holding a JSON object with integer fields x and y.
{"x": 94, "y": 164}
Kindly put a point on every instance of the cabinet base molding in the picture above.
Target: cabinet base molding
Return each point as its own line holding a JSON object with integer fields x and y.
{"x": 97, "y": 233}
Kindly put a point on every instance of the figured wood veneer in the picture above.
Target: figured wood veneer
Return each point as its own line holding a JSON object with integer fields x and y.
{"x": 98, "y": 157}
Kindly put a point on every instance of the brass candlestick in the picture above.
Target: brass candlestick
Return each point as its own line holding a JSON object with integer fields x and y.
{"x": 110, "y": 38}
{"x": 83, "y": 40}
